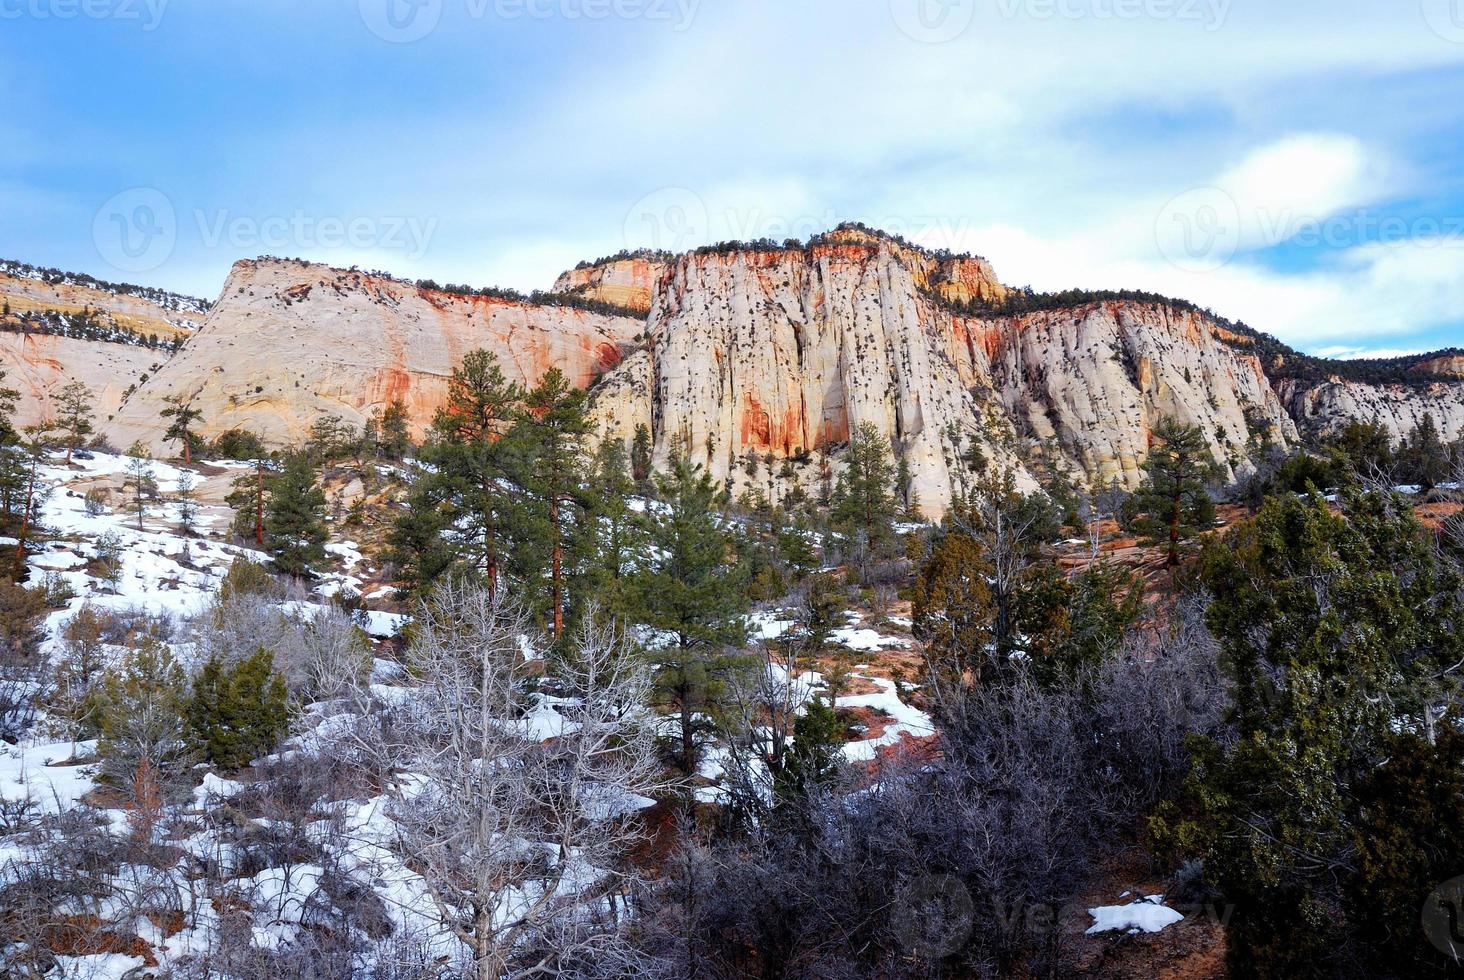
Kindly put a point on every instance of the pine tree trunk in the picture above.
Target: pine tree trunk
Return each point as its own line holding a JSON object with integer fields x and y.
{"x": 688, "y": 741}
{"x": 259, "y": 509}
{"x": 25, "y": 519}
{"x": 1175, "y": 513}
{"x": 558, "y": 569}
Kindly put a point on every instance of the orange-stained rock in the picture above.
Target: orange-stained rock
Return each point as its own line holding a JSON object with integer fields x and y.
{"x": 785, "y": 352}
{"x": 289, "y": 342}
{"x": 628, "y": 283}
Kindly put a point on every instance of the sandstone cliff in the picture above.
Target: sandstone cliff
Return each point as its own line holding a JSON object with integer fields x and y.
{"x": 1332, "y": 404}
{"x": 39, "y": 366}
{"x": 289, "y": 342}
{"x": 785, "y": 352}
{"x": 56, "y": 328}
{"x": 628, "y": 282}
{"x": 764, "y": 358}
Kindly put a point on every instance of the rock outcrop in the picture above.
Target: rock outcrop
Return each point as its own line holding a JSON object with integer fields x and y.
{"x": 289, "y": 342}
{"x": 628, "y": 282}
{"x": 1328, "y": 406}
{"x": 38, "y": 366}
{"x": 56, "y": 328}
{"x": 783, "y": 353}
{"x": 763, "y": 359}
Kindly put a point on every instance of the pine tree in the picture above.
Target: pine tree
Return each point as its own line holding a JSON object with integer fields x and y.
{"x": 954, "y": 608}
{"x": 551, "y": 433}
{"x": 685, "y": 591}
{"x": 614, "y": 535}
{"x": 460, "y": 511}
{"x": 12, "y": 460}
{"x": 393, "y": 431}
{"x": 25, "y": 460}
{"x": 139, "y": 487}
{"x": 863, "y": 501}
{"x": 9, "y": 397}
{"x": 331, "y": 439}
{"x": 238, "y": 712}
{"x": 640, "y": 457}
{"x": 187, "y": 500}
{"x": 1174, "y": 501}
{"x": 1425, "y": 457}
{"x": 183, "y": 419}
{"x": 74, "y": 416}
{"x": 816, "y": 755}
{"x": 247, "y": 496}
{"x": 141, "y": 710}
{"x": 294, "y": 518}
{"x": 1336, "y": 630}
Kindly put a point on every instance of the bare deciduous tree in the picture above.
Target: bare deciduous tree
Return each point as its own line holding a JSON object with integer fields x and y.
{"x": 517, "y": 808}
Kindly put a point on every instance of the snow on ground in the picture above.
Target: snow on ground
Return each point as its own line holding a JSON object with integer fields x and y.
{"x": 1145, "y": 915}
{"x": 907, "y": 720}
{"x": 37, "y": 773}
{"x": 162, "y": 571}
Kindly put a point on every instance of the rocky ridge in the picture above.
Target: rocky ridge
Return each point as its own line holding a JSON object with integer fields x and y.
{"x": 764, "y": 358}
{"x": 289, "y": 342}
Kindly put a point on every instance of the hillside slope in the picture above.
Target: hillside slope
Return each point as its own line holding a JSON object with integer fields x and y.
{"x": 58, "y": 327}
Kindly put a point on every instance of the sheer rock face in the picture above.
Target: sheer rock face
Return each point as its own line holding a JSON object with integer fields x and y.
{"x": 785, "y": 353}
{"x": 289, "y": 342}
{"x": 1329, "y": 406}
{"x": 759, "y": 363}
{"x": 38, "y": 366}
{"x": 628, "y": 283}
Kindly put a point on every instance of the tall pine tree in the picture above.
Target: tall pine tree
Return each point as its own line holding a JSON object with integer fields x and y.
{"x": 864, "y": 499}
{"x": 551, "y": 436}
{"x": 1174, "y": 500}
{"x": 462, "y": 506}
{"x": 183, "y": 419}
{"x": 686, "y": 591}
{"x": 74, "y": 416}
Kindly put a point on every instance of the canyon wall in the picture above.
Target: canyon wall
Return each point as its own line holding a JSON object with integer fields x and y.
{"x": 784, "y": 353}
{"x": 755, "y": 360}
{"x": 289, "y": 342}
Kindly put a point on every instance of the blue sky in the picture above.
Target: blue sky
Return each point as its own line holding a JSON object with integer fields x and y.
{"x": 1296, "y": 165}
